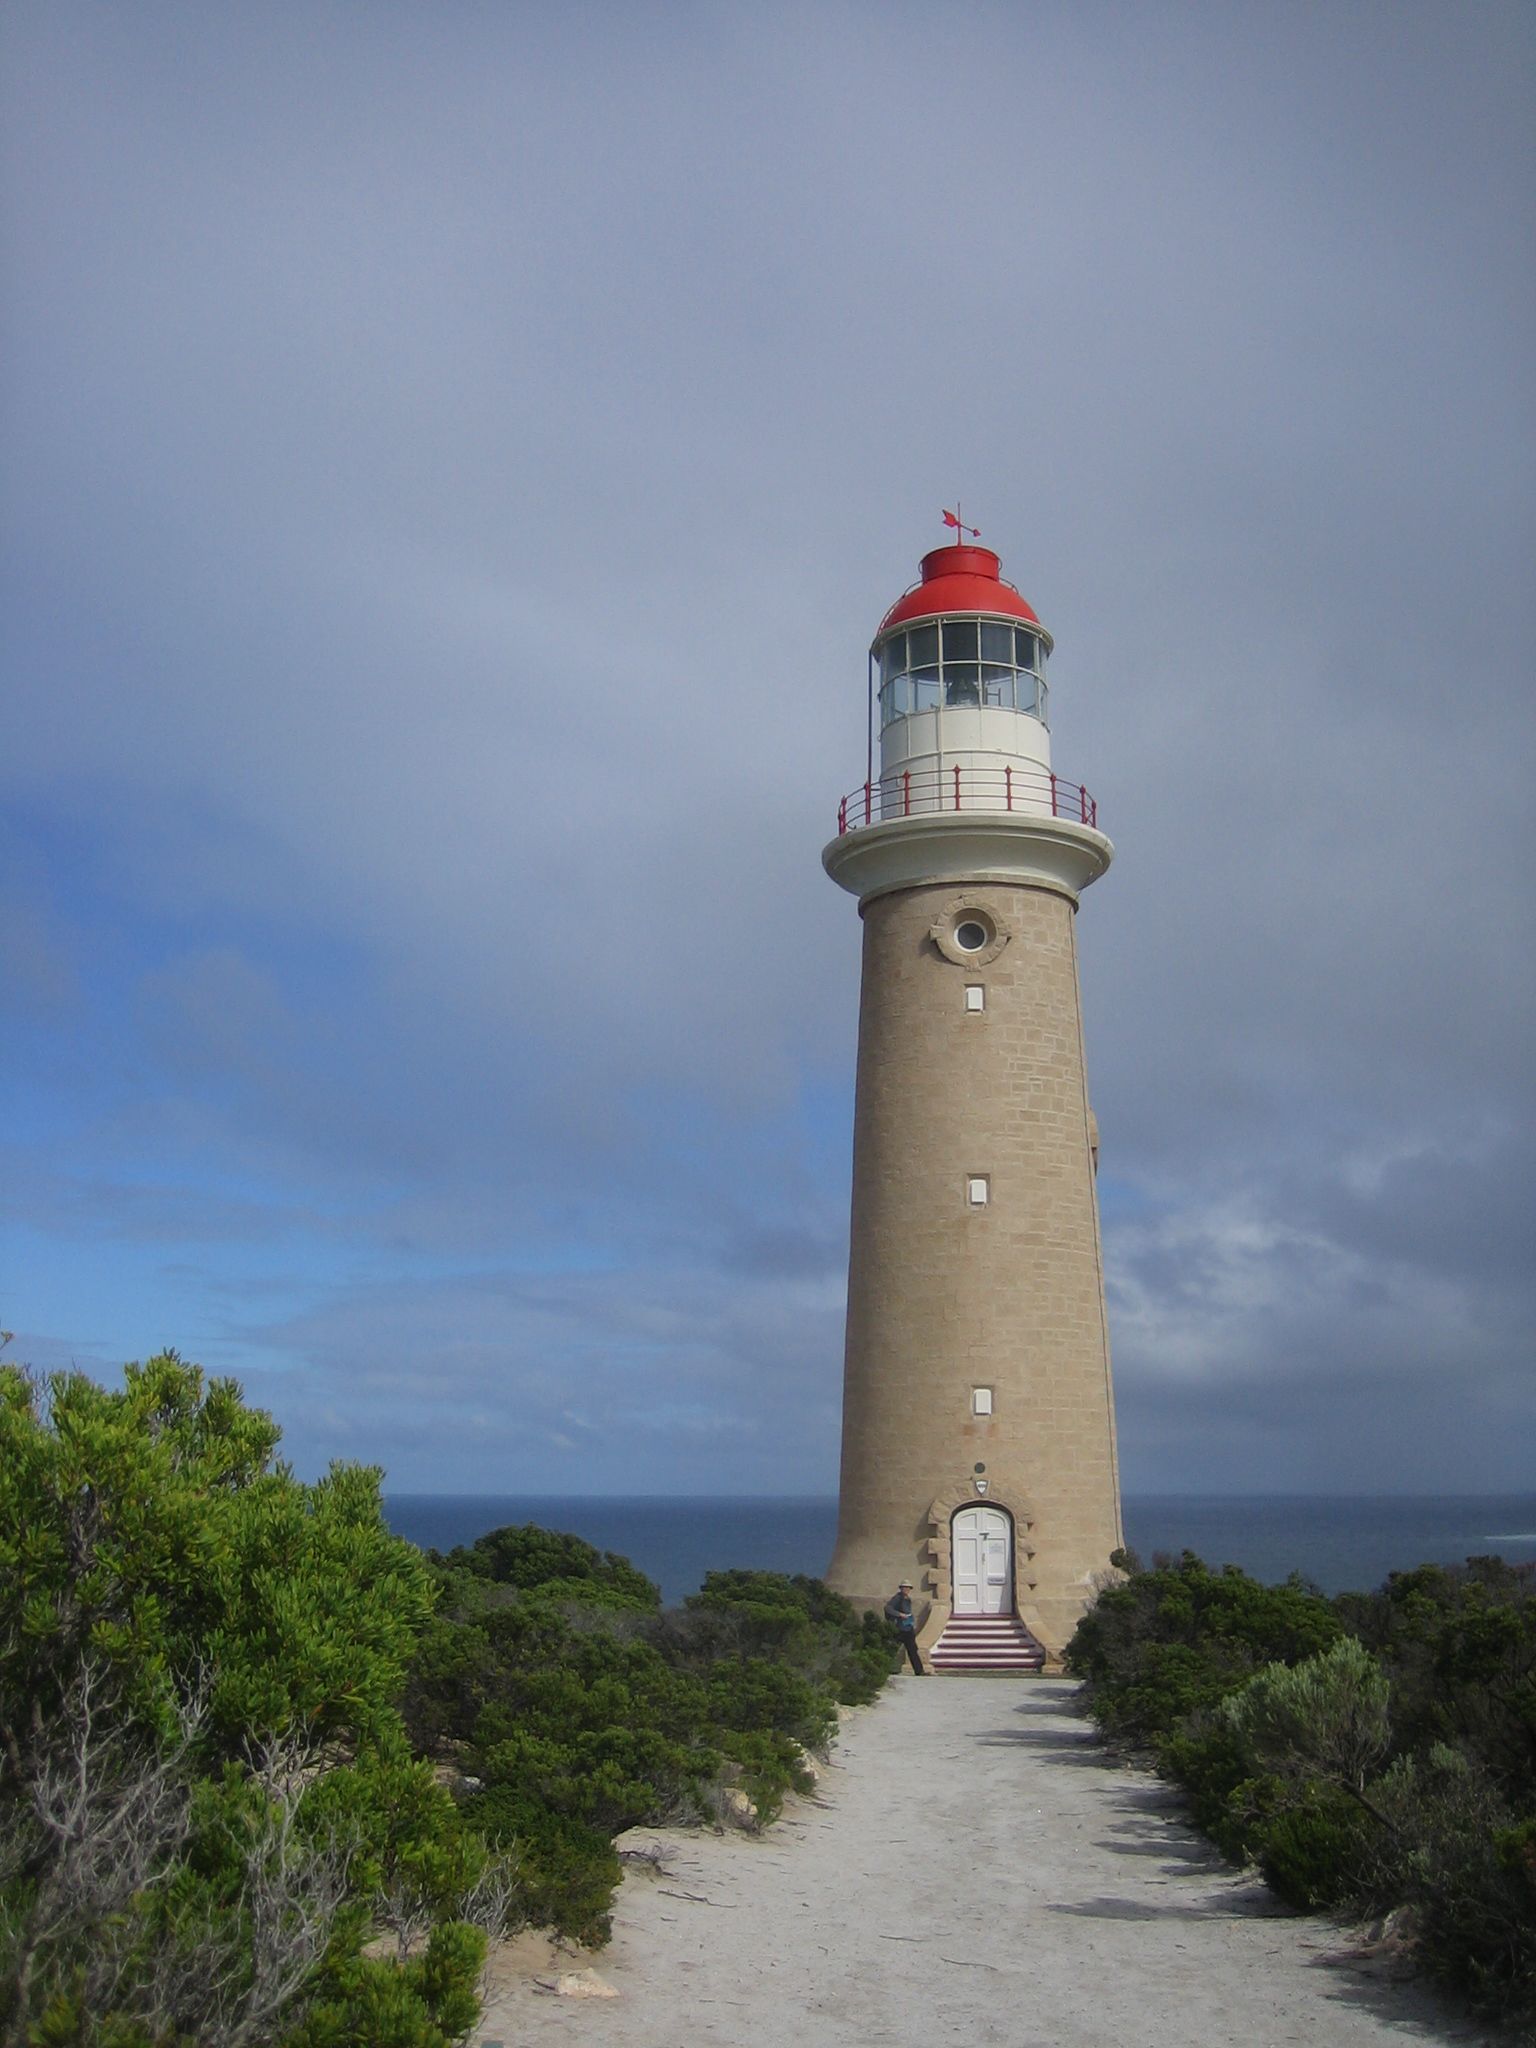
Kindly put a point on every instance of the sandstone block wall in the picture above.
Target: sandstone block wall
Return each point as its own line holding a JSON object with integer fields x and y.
{"x": 945, "y": 1296}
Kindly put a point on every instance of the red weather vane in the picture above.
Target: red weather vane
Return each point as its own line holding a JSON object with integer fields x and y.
{"x": 961, "y": 529}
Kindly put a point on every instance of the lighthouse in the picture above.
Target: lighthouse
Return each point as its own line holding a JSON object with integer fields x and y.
{"x": 978, "y": 1453}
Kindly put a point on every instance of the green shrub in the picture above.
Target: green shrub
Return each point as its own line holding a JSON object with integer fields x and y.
{"x": 1458, "y": 1644}
{"x": 1181, "y": 1637}
{"x": 567, "y": 1869}
{"x": 757, "y": 1694}
{"x": 1377, "y": 1752}
{"x": 578, "y": 1710}
{"x": 1278, "y": 1771}
{"x": 802, "y": 1622}
{"x": 527, "y": 1557}
{"x": 428, "y": 2001}
{"x": 1227, "y": 1793}
{"x": 1310, "y": 1850}
{"x": 1325, "y": 1718}
{"x": 771, "y": 1765}
{"x": 214, "y": 1652}
{"x": 1460, "y": 1858}
{"x": 614, "y": 1777}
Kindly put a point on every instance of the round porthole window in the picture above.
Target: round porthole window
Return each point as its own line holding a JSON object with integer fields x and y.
{"x": 965, "y": 934}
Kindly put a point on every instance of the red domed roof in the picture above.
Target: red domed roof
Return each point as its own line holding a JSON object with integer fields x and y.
{"x": 958, "y": 579}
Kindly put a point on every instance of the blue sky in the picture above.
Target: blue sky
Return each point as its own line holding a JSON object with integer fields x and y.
{"x": 458, "y": 457}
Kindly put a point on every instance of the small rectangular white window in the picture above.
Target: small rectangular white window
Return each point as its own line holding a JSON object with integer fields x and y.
{"x": 977, "y": 1190}
{"x": 981, "y": 1400}
{"x": 975, "y": 996}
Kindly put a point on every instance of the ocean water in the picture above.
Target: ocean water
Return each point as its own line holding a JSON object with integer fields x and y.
{"x": 1339, "y": 1543}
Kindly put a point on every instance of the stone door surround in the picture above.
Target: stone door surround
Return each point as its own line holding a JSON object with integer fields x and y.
{"x": 938, "y": 1574}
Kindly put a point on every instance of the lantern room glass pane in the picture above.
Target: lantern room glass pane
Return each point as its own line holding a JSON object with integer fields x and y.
{"x": 996, "y": 642}
{"x": 893, "y": 656}
{"x": 1027, "y": 693}
{"x": 962, "y": 682}
{"x": 959, "y": 640}
{"x": 895, "y": 699}
{"x": 925, "y": 690}
{"x": 923, "y": 646}
{"x": 1026, "y": 645}
{"x": 997, "y": 687}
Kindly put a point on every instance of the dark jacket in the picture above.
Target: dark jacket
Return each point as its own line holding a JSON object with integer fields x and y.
{"x": 899, "y": 1609}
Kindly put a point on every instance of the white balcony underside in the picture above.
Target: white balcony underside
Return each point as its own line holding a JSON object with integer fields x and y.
{"x": 968, "y": 846}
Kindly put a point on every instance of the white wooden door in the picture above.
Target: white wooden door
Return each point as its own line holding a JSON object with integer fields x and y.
{"x": 981, "y": 1555}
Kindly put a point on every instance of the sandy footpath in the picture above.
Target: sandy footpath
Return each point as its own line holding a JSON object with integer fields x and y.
{"x": 975, "y": 1871}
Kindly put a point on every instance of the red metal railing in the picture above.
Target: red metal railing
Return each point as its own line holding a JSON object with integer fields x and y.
{"x": 914, "y": 792}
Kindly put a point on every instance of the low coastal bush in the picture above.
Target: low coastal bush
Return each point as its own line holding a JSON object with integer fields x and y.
{"x": 572, "y": 1706}
{"x": 1376, "y": 1752}
{"x": 1179, "y": 1638}
{"x": 269, "y": 1774}
{"x": 212, "y": 1828}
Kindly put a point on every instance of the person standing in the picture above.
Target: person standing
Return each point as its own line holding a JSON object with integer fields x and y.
{"x": 898, "y": 1609}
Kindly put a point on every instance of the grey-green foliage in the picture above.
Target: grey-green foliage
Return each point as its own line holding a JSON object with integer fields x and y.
{"x": 1325, "y": 1718}
{"x": 1454, "y": 1849}
{"x": 1376, "y": 1752}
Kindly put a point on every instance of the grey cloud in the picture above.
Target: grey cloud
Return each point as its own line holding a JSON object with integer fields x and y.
{"x": 678, "y": 1379}
{"x": 457, "y": 467}
{"x": 788, "y": 1253}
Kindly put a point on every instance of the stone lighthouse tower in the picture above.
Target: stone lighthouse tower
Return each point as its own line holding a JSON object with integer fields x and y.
{"x": 978, "y": 1418}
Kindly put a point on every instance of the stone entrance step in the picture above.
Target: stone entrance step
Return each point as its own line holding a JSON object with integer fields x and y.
{"x": 986, "y": 1642}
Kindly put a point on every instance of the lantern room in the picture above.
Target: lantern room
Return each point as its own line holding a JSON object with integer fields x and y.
{"x": 958, "y": 685}
{"x": 962, "y": 662}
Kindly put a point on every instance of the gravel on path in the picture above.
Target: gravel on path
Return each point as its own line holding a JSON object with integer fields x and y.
{"x": 974, "y": 1869}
